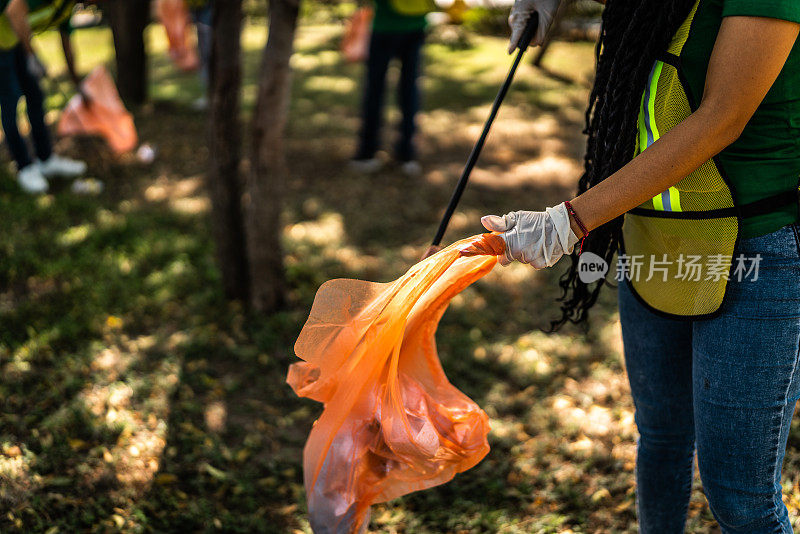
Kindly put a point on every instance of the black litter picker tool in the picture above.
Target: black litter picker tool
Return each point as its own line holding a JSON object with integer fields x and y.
{"x": 522, "y": 45}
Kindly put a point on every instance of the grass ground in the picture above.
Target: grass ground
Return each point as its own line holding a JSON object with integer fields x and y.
{"x": 134, "y": 399}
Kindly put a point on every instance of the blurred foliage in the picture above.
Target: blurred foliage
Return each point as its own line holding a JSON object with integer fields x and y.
{"x": 586, "y": 8}
{"x": 134, "y": 399}
{"x": 255, "y": 9}
{"x": 493, "y": 20}
{"x": 487, "y": 20}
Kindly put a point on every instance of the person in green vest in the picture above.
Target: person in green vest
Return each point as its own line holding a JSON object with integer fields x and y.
{"x": 20, "y": 75}
{"x": 691, "y": 180}
{"x": 398, "y": 31}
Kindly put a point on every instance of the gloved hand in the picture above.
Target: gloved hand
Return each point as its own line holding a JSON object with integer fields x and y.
{"x": 539, "y": 238}
{"x": 35, "y": 67}
{"x": 520, "y": 14}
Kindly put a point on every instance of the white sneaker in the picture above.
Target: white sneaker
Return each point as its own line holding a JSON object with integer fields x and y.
{"x": 62, "y": 167}
{"x": 31, "y": 179}
{"x": 366, "y": 166}
{"x": 411, "y": 168}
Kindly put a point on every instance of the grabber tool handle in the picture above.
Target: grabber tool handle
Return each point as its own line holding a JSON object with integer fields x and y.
{"x": 522, "y": 45}
{"x": 530, "y": 31}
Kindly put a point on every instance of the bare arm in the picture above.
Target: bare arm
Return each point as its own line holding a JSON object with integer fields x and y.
{"x": 748, "y": 56}
{"x": 17, "y": 12}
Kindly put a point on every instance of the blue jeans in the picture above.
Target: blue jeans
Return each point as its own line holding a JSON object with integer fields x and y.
{"x": 15, "y": 81}
{"x": 726, "y": 386}
{"x": 202, "y": 18}
{"x": 383, "y": 47}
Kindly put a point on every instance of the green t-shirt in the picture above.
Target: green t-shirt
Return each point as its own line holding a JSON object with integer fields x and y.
{"x": 765, "y": 160}
{"x": 387, "y": 20}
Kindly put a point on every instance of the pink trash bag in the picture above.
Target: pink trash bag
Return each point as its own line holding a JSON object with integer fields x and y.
{"x": 105, "y": 116}
{"x": 392, "y": 423}
{"x": 174, "y": 15}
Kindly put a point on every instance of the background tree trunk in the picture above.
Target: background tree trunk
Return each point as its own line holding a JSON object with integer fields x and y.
{"x": 225, "y": 149}
{"x": 267, "y": 161}
{"x": 128, "y": 19}
{"x": 558, "y": 18}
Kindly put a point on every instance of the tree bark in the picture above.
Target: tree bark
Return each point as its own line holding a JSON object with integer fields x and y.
{"x": 128, "y": 19}
{"x": 225, "y": 140}
{"x": 268, "y": 170}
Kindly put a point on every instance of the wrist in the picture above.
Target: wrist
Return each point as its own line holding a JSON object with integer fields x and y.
{"x": 576, "y": 223}
{"x": 576, "y": 228}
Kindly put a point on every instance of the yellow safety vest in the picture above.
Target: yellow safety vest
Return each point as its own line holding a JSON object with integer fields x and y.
{"x": 695, "y": 222}
{"x": 44, "y": 18}
{"x": 413, "y": 8}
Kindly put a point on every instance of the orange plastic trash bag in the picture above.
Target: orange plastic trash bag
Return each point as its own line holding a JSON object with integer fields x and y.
{"x": 174, "y": 15}
{"x": 392, "y": 423}
{"x": 105, "y": 116}
{"x": 355, "y": 43}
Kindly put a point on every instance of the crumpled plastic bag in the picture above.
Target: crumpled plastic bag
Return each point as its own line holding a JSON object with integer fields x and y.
{"x": 174, "y": 15}
{"x": 105, "y": 116}
{"x": 392, "y": 423}
{"x": 355, "y": 43}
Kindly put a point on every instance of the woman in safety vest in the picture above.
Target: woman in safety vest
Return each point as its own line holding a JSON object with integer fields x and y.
{"x": 691, "y": 179}
{"x": 20, "y": 72}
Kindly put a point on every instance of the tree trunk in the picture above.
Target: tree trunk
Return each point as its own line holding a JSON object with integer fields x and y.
{"x": 128, "y": 19}
{"x": 225, "y": 149}
{"x": 267, "y": 161}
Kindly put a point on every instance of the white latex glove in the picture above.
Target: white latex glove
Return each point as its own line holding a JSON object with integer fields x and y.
{"x": 539, "y": 238}
{"x": 35, "y": 67}
{"x": 520, "y": 14}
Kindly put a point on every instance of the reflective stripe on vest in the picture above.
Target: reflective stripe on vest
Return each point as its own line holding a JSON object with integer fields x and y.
{"x": 669, "y": 200}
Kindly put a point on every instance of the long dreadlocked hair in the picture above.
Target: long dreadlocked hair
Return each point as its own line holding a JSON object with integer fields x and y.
{"x": 632, "y": 34}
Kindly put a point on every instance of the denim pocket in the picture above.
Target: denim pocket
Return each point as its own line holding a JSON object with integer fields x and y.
{"x": 782, "y": 244}
{"x": 772, "y": 290}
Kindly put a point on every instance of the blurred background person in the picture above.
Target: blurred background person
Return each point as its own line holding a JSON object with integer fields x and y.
{"x": 20, "y": 74}
{"x": 201, "y": 12}
{"x": 394, "y": 35}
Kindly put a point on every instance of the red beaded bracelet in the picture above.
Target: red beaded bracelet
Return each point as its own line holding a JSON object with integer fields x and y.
{"x": 582, "y": 226}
